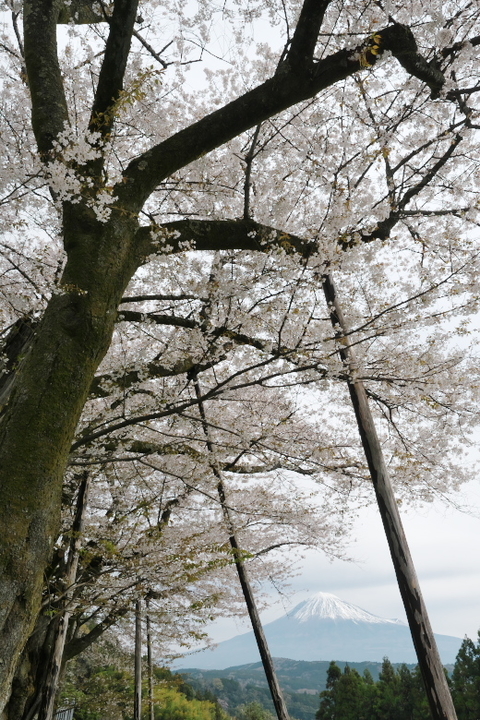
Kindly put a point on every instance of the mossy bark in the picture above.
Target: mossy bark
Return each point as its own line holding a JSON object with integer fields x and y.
{"x": 30, "y": 670}
{"x": 80, "y": 12}
{"x": 39, "y": 421}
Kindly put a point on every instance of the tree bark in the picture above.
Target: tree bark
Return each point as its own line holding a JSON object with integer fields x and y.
{"x": 79, "y": 12}
{"x": 30, "y": 671}
{"x": 262, "y": 644}
{"x": 438, "y": 693}
{"x": 38, "y": 424}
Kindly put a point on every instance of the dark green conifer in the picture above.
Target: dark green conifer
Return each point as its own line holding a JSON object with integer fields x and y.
{"x": 466, "y": 680}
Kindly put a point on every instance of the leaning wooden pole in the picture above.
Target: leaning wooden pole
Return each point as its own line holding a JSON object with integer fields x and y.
{"x": 273, "y": 684}
{"x": 429, "y": 661}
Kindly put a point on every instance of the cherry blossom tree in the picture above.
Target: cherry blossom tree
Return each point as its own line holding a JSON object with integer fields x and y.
{"x": 152, "y": 231}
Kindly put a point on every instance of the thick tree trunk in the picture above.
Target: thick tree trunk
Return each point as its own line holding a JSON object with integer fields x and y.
{"x": 38, "y": 423}
{"x": 438, "y": 694}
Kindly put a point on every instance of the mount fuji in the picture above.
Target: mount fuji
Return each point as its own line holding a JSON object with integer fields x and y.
{"x": 325, "y": 628}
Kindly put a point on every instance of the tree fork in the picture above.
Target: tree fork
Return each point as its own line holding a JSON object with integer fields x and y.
{"x": 438, "y": 693}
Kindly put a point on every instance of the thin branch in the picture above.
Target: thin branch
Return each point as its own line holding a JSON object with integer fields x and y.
{"x": 150, "y": 49}
{"x": 248, "y": 173}
{"x": 17, "y": 32}
{"x": 142, "y": 298}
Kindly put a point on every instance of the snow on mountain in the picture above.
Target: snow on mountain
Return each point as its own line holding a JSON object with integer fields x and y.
{"x": 324, "y": 628}
{"x": 326, "y": 605}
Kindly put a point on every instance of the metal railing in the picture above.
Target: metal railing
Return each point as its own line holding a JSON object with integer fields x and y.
{"x": 65, "y": 713}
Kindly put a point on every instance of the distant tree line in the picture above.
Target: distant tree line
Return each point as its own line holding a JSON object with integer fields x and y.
{"x": 399, "y": 693}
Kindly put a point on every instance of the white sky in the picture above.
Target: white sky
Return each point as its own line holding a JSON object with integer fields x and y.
{"x": 444, "y": 542}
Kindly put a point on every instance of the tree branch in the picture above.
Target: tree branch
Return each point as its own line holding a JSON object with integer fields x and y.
{"x": 132, "y": 316}
{"x": 79, "y": 644}
{"x": 286, "y": 88}
{"x": 384, "y": 228}
{"x": 400, "y": 41}
{"x": 49, "y": 106}
{"x": 181, "y": 235}
{"x": 102, "y": 384}
{"x": 81, "y": 12}
{"x": 302, "y": 48}
{"x": 161, "y": 297}
{"x": 110, "y": 82}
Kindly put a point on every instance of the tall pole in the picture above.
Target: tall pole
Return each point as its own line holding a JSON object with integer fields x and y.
{"x": 149, "y": 661}
{"x": 438, "y": 693}
{"x": 268, "y": 666}
{"x": 137, "y": 698}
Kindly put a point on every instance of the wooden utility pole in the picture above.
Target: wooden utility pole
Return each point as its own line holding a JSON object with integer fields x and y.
{"x": 137, "y": 699}
{"x": 149, "y": 661}
{"x": 438, "y": 693}
{"x": 263, "y": 649}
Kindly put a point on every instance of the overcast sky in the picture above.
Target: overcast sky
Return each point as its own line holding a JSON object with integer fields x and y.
{"x": 444, "y": 543}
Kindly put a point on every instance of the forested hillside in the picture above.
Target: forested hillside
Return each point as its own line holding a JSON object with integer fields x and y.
{"x": 348, "y": 691}
{"x": 233, "y": 694}
{"x": 399, "y": 694}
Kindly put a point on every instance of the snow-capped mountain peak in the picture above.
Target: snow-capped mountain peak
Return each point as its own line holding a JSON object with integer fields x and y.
{"x": 325, "y": 605}
{"x": 326, "y": 628}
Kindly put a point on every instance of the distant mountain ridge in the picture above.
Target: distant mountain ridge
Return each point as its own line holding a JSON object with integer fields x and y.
{"x": 295, "y": 676}
{"x": 324, "y": 628}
